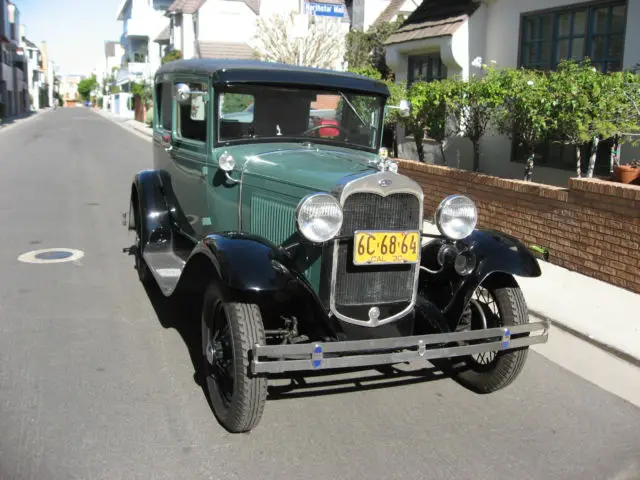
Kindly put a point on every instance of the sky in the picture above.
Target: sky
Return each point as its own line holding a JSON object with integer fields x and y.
{"x": 75, "y": 30}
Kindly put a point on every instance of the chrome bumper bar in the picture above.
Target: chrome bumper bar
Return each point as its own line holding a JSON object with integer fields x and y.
{"x": 358, "y": 353}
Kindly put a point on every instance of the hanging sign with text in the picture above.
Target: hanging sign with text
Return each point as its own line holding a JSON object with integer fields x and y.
{"x": 325, "y": 9}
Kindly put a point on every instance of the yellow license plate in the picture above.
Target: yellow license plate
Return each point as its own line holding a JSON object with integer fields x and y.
{"x": 385, "y": 247}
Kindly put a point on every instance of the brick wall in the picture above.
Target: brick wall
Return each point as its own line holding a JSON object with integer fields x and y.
{"x": 592, "y": 227}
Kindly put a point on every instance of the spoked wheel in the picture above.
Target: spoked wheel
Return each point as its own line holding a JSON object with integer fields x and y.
{"x": 496, "y": 303}
{"x": 229, "y": 331}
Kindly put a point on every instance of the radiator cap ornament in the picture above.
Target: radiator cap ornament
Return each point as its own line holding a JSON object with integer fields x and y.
{"x": 383, "y": 163}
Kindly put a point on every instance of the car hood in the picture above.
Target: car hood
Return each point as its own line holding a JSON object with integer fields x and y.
{"x": 315, "y": 168}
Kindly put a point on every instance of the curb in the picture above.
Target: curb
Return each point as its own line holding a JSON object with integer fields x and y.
{"x": 124, "y": 123}
{"x": 616, "y": 352}
{"x": 21, "y": 120}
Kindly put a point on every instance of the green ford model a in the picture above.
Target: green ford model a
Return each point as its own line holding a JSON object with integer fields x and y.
{"x": 271, "y": 197}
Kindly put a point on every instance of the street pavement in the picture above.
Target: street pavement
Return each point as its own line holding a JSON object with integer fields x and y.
{"x": 97, "y": 379}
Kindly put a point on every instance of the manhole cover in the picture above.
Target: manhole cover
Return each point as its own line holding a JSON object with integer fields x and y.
{"x": 51, "y": 255}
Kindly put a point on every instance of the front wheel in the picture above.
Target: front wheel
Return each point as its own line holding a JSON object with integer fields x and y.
{"x": 498, "y": 302}
{"x": 229, "y": 331}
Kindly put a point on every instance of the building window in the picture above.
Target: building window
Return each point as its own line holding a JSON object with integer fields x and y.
{"x": 426, "y": 68}
{"x": 594, "y": 30}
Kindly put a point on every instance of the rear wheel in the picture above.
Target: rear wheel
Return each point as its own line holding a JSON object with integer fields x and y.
{"x": 498, "y": 302}
{"x": 229, "y": 331}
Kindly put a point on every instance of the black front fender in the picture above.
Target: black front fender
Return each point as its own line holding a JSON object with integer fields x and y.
{"x": 495, "y": 252}
{"x": 253, "y": 270}
{"x": 148, "y": 197}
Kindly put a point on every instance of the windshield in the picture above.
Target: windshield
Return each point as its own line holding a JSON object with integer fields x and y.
{"x": 259, "y": 112}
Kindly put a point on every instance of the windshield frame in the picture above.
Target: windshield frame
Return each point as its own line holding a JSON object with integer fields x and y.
{"x": 330, "y": 90}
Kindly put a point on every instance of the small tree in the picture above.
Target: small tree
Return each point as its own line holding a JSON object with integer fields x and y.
{"x": 626, "y": 94}
{"x": 320, "y": 47}
{"x": 144, "y": 91}
{"x": 526, "y": 115}
{"x": 421, "y": 118}
{"x": 474, "y": 105}
{"x": 86, "y": 86}
{"x": 434, "y": 112}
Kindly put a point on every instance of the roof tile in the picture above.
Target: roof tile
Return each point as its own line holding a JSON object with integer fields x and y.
{"x": 185, "y": 6}
{"x": 434, "y": 18}
{"x": 225, "y": 50}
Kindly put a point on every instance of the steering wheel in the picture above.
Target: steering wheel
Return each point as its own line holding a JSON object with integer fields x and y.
{"x": 318, "y": 127}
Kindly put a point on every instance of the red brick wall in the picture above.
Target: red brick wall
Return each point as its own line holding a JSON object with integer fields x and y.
{"x": 592, "y": 227}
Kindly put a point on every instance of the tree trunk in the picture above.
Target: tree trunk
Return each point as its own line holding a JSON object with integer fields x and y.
{"x": 592, "y": 158}
{"x": 395, "y": 141}
{"x": 578, "y": 162}
{"x": 528, "y": 167}
{"x": 476, "y": 156}
{"x": 614, "y": 155}
{"x": 418, "y": 137}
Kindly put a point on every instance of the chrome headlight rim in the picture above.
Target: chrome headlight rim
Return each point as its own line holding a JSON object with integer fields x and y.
{"x": 446, "y": 202}
{"x": 309, "y": 198}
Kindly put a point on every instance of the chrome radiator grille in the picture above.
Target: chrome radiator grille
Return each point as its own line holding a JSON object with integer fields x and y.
{"x": 372, "y": 285}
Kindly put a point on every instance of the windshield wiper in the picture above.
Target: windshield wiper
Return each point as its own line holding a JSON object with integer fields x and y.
{"x": 353, "y": 108}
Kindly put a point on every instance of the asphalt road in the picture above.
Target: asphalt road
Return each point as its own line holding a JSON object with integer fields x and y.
{"x": 97, "y": 380}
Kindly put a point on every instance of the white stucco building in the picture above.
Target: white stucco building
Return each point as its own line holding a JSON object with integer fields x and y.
{"x": 443, "y": 38}
{"x": 227, "y": 28}
{"x": 36, "y": 80}
{"x": 367, "y": 13}
{"x": 142, "y": 21}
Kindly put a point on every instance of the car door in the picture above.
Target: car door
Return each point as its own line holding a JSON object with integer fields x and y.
{"x": 187, "y": 148}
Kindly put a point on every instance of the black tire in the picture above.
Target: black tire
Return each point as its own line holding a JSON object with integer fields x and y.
{"x": 144, "y": 274}
{"x": 239, "y": 408}
{"x": 507, "y": 365}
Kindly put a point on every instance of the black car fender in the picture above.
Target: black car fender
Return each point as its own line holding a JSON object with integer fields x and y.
{"x": 148, "y": 196}
{"x": 253, "y": 270}
{"x": 494, "y": 253}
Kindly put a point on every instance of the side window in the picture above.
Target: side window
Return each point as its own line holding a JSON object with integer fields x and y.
{"x": 236, "y": 115}
{"x": 191, "y": 118}
{"x": 165, "y": 100}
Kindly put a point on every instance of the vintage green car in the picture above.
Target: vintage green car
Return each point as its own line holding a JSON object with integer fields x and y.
{"x": 272, "y": 199}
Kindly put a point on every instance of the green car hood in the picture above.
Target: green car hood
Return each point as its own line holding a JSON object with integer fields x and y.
{"x": 317, "y": 168}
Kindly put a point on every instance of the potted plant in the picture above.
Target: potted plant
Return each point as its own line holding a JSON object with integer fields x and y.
{"x": 627, "y": 173}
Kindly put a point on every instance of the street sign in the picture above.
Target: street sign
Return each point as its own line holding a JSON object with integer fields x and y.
{"x": 325, "y": 9}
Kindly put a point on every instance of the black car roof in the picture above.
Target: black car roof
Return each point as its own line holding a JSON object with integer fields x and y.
{"x": 254, "y": 71}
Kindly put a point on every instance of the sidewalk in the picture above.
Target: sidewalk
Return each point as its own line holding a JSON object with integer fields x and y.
{"x": 7, "y": 123}
{"x": 596, "y": 311}
{"x": 129, "y": 123}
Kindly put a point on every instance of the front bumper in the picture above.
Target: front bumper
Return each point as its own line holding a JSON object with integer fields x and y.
{"x": 359, "y": 353}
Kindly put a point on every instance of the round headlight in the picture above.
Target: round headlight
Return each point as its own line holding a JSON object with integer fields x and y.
{"x": 456, "y": 217}
{"x": 319, "y": 217}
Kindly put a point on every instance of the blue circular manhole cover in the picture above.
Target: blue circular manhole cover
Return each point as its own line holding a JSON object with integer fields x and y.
{"x": 53, "y": 255}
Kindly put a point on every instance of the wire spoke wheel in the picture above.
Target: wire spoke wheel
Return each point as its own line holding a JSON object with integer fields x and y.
{"x": 484, "y": 314}
{"x": 229, "y": 332}
{"x": 219, "y": 354}
{"x": 497, "y": 302}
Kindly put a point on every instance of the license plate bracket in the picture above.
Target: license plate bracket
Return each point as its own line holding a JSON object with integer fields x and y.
{"x": 386, "y": 247}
